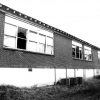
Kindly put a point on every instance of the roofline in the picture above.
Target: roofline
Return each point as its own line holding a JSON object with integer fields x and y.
{"x": 6, "y": 9}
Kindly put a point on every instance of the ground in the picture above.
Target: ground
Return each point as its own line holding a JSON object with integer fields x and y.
{"x": 89, "y": 90}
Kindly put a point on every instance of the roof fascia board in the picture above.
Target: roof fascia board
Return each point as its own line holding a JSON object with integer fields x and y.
{"x": 42, "y": 25}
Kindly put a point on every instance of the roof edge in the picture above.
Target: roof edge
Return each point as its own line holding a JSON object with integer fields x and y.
{"x": 6, "y": 9}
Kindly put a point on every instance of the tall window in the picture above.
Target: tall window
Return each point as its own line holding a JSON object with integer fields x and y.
{"x": 98, "y": 56}
{"x": 21, "y": 38}
{"x": 77, "y": 50}
{"x": 20, "y": 35}
{"x": 87, "y": 53}
{"x": 49, "y": 45}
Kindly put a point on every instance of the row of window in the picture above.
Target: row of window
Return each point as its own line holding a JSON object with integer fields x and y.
{"x": 20, "y": 35}
{"x": 22, "y": 38}
{"x": 77, "y": 51}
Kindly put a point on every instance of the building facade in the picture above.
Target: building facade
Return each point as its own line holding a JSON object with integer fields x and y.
{"x": 33, "y": 52}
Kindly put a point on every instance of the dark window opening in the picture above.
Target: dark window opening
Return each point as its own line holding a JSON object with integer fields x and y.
{"x": 73, "y": 52}
{"x": 77, "y": 52}
{"x": 21, "y": 40}
{"x": 80, "y": 54}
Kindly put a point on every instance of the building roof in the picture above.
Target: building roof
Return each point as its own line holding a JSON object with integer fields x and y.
{"x": 6, "y": 9}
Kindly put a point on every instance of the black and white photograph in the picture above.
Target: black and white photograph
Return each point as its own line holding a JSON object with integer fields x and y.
{"x": 49, "y": 49}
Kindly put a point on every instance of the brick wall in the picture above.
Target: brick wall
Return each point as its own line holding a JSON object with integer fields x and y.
{"x": 62, "y": 57}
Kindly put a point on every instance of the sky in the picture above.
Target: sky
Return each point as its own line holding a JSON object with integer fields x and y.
{"x": 80, "y": 18}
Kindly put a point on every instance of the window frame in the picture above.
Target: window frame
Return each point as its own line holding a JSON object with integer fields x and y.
{"x": 75, "y": 46}
{"x": 87, "y": 49}
{"x": 98, "y": 56}
{"x": 27, "y": 40}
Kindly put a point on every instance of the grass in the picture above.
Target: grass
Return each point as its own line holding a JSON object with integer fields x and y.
{"x": 90, "y": 90}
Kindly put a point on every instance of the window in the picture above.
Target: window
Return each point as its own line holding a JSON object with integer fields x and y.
{"x": 32, "y": 41}
{"x": 10, "y": 35}
{"x": 42, "y": 44}
{"x": 20, "y": 35}
{"x": 21, "y": 38}
{"x": 49, "y": 45}
{"x": 76, "y": 50}
{"x": 87, "y": 53}
{"x": 98, "y": 56}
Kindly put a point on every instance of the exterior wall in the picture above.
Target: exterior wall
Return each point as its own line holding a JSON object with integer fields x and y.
{"x": 62, "y": 57}
{"x": 2, "y": 16}
{"x": 15, "y": 63}
{"x": 21, "y": 77}
{"x": 24, "y": 59}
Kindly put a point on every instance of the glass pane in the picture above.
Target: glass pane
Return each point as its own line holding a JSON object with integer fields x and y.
{"x": 32, "y": 46}
{"x": 49, "y": 50}
{"x": 90, "y": 57}
{"x": 88, "y": 48}
{"x": 9, "y": 41}
{"x": 32, "y": 36}
{"x": 21, "y": 33}
{"x": 86, "y": 57}
{"x": 49, "y": 41}
{"x": 41, "y": 39}
{"x": 80, "y": 54}
{"x": 10, "y": 29}
{"x": 41, "y": 48}
{"x": 21, "y": 40}
{"x": 86, "y": 51}
{"x": 49, "y": 34}
{"x": 73, "y": 50}
{"x": 76, "y": 43}
{"x": 99, "y": 54}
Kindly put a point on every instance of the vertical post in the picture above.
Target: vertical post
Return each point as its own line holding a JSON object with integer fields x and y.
{"x": 84, "y": 73}
{"x": 94, "y": 73}
{"x": 74, "y": 73}
{"x": 55, "y": 75}
{"x": 82, "y": 51}
{"x": 66, "y": 76}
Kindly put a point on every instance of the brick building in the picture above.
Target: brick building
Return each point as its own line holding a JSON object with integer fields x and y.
{"x": 32, "y": 52}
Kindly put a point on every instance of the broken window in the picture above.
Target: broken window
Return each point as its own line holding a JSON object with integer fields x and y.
{"x": 20, "y": 35}
{"x": 21, "y": 38}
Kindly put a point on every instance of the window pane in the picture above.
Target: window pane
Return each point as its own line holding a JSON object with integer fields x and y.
{"x": 10, "y": 29}
{"x": 32, "y": 46}
{"x": 41, "y": 39}
{"x": 21, "y": 33}
{"x": 76, "y": 43}
{"x": 41, "y": 48}
{"x": 88, "y": 53}
{"x": 32, "y": 36}
{"x": 99, "y": 54}
{"x": 86, "y": 57}
{"x": 90, "y": 57}
{"x": 49, "y": 50}
{"x": 73, "y": 50}
{"x": 88, "y": 48}
{"x": 21, "y": 40}
{"x": 9, "y": 41}
{"x": 80, "y": 54}
{"x": 49, "y": 41}
{"x": 49, "y": 34}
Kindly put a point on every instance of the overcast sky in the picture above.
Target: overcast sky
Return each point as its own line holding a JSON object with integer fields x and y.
{"x": 80, "y": 18}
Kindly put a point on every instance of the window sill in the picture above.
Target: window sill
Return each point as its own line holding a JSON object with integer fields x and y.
{"x": 82, "y": 59}
{"x": 21, "y": 50}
